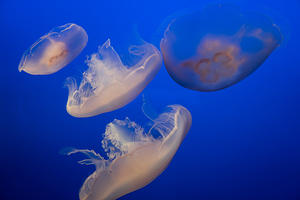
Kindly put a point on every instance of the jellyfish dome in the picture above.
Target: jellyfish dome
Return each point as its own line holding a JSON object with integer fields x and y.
{"x": 54, "y": 50}
{"x": 108, "y": 84}
{"x": 134, "y": 157}
{"x": 215, "y": 48}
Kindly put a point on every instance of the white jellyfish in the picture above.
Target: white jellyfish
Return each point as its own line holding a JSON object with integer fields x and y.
{"x": 54, "y": 50}
{"x": 108, "y": 84}
{"x": 135, "y": 158}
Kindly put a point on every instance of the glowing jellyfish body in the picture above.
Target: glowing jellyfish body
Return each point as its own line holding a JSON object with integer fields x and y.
{"x": 54, "y": 50}
{"x": 215, "y": 48}
{"x": 135, "y": 158}
{"x": 108, "y": 84}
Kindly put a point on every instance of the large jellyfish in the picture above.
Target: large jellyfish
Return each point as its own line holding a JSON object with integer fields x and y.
{"x": 135, "y": 158}
{"x": 54, "y": 50}
{"x": 108, "y": 84}
{"x": 217, "y": 47}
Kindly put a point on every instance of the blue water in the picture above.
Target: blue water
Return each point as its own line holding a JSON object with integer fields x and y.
{"x": 244, "y": 141}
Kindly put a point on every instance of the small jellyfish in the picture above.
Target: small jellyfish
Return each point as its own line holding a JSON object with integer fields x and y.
{"x": 217, "y": 47}
{"x": 135, "y": 158}
{"x": 108, "y": 84}
{"x": 54, "y": 50}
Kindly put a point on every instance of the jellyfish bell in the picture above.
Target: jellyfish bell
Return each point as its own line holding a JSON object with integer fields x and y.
{"x": 108, "y": 84}
{"x": 215, "y": 48}
{"x": 54, "y": 50}
{"x": 135, "y": 158}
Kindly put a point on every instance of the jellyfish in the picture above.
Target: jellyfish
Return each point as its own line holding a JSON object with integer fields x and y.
{"x": 108, "y": 84}
{"x": 54, "y": 50}
{"x": 134, "y": 157}
{"x": 215, "y": 48}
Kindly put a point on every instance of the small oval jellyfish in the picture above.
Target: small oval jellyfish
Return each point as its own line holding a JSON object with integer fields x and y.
{"x": 135, "y": 158}
{"x": 215, "y": 48}
{"x": 108, "y": 84}
{"x": 54, "y": 50}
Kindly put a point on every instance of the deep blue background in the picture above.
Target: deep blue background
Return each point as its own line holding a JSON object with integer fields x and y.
{"x": 244, "y": 141}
